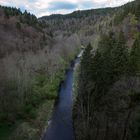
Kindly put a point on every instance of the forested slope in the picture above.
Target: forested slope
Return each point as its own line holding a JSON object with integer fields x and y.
{"x": 108, "y": 91}
{"x": 34, "y": 54}
{"x": 89, "y": 24}
{"x": 32, "y": 65}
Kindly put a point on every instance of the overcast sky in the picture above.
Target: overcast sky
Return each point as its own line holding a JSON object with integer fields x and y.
{"x": 47, "y": 7}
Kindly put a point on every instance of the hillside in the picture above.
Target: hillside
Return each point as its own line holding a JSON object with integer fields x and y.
{"x": 34, "y": 54}
{"x": 108, "y": 86}
{"x": 89, "y": 24}
{"x": 32, "y": 65}
{"x": 20, "y": 31}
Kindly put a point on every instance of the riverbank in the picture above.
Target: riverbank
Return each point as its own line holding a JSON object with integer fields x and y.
{"x": 30, "y": 129}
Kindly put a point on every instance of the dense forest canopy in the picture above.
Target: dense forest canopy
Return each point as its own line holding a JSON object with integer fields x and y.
{"x": 34, "y": 54}
{"x": 32, "y": 65}
{"x": 108, "y": 91}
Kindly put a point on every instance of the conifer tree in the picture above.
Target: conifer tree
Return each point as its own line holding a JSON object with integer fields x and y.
{"x": 85, "y": 70}
{"x": 135, "y": 58}
{"x": 119, "y": 57}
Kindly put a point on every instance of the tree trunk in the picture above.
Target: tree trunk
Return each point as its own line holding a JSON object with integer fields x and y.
{"x": 126, "y": 124}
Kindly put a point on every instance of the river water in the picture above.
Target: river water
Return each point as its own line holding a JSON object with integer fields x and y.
{"x": 61, "y": 125}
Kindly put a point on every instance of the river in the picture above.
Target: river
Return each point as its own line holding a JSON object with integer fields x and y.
{"x": 61, "y": 125}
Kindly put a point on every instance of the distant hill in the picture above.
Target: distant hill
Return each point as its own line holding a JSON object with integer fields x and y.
{"x": 89, "y": 24}
{"x": 78, "y": 14}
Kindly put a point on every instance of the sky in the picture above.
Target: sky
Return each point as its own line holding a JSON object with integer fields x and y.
{"x": 48, "y": 7}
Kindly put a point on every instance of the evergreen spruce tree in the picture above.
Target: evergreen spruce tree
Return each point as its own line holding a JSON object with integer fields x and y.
{"x": 6, "y": 12}
{"x": 85, "y": 70}
{"x": 86, "y": 60}
{"x": 119, "y": 57}
{"x": 135, "y": 58}
{"x": 83, "y": 101}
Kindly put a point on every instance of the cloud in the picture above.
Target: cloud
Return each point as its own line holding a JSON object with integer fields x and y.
{"x": 62, "y": 5}
{"x": 47, "y": 7}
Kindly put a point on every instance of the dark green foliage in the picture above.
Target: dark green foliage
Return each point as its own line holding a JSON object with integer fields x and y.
{"x": 30, "y": 19}
{"x": 6, "y": 13}
{"x": 84, "y": 75}
{"x": 24, "y": 17}
{"x": 135, "y": 129}
{"x": 5, "y": 130}
{"x": 28, "y": 111}
{"x": 51, "y": 34}
{"x": 18, "y": 25}
{"x": 120, "y": 57}
{"x": 110, "y": 61}
{"x": 10, "y": 11}
{"x": 135, "y": 57}
{"x": 123, "y": 11}
{"x": 85, "y": 62}
{"x": 98, "y": 73}
{"x": 80, "y": 14}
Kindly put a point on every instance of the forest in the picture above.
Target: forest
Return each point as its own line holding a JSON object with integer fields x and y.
{"x": 32, "y": 65}
{"x": 108, "y": 86}
{"x": 35, "y": 54}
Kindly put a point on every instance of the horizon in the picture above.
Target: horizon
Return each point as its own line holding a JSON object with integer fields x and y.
{"x": 45, "y": 8}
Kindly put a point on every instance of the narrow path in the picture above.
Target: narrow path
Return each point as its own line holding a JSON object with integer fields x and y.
{"x": 60, "y": 127}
